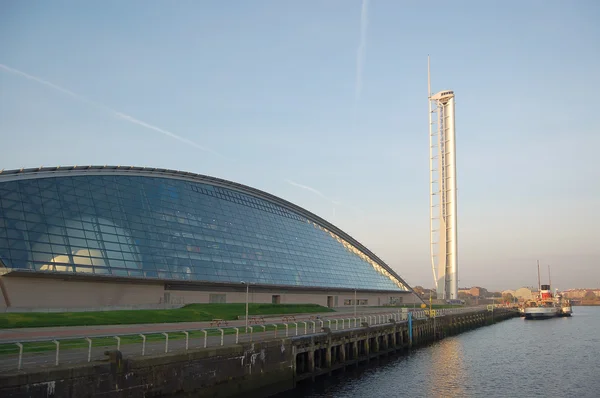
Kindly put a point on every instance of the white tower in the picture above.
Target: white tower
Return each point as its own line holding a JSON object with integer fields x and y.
{"x": 442, "y": 176}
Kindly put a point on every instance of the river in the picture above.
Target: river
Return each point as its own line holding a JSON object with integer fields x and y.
{"x": 557, "y": 357}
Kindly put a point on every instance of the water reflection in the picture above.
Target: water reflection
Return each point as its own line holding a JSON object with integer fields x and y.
{"x": 447, "y": 375}
{"x": 558, "y": 357}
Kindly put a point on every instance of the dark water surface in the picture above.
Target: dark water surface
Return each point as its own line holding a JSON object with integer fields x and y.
{"x": 516, "y": 358}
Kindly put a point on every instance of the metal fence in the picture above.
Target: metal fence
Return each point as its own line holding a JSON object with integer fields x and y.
{"x": 23, "y": 354}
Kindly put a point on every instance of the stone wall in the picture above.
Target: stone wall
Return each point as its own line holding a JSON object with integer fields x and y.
{"x": 223, "y": 372}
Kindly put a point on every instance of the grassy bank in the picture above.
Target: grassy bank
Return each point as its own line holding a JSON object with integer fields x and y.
{"x": 189, "y": 313}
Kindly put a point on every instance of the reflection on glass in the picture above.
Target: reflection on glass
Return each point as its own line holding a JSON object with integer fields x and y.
{"x": 364, "y": 257}
{"x": 173, "y": 229}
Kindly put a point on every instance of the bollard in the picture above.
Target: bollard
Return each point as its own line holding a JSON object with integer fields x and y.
{"x": 251, "y": 331}
{"x": 223, "y": 334}
{"x": 118, "y": 343}
{"x": 286, "y": 329}
{"x": 187, "y": 340}
{"x": 205, "y": 337}
{"x": 237, "y": 335}
{"x": 275, "y": 325}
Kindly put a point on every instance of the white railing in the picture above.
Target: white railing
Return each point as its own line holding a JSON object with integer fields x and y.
{"x": 23, "y": 353}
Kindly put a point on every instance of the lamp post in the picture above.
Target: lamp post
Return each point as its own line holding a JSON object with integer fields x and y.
{"x": 247, "y": 287}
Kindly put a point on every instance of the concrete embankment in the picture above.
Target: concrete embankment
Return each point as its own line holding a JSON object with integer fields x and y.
{"x": 266, "y": 367}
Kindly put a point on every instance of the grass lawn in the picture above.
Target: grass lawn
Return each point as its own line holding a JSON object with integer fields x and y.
{"x": 189, "y": 313}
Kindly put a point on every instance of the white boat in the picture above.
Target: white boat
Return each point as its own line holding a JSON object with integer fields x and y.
{"x": 542, "y": 311}
{"x": 566, "y": 310}
{"x": 546, "y": 306}
{"x": 565, "y": 305}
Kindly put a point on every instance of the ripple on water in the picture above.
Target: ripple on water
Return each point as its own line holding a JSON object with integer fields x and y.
{"x": 516, "y": 358}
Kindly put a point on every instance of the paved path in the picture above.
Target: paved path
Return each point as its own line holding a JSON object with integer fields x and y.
{"x": 67, "y": 355}
{"x": 50, "y": 333}
{"x": 80, "y": 355}
{"x": 71, "y": 355}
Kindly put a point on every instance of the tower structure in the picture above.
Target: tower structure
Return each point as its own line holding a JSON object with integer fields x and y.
{"x": 442, "y": 178}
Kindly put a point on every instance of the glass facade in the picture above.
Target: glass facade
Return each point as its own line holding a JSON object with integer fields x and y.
{"x": 173, "y": 229}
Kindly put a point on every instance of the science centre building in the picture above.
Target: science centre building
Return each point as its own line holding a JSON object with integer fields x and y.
{"x": 134, "y": 237}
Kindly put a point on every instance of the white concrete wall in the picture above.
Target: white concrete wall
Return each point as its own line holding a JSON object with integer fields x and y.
{"x": 313, "y": 297}
{"x": 47, "y": 293}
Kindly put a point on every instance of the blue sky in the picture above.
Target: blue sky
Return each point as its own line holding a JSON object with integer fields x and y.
{"x": 267, "y": 93}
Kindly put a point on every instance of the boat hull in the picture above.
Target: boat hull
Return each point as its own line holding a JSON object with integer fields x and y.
{"x": 541, "y": 312}
{"x": 565, "y": 311}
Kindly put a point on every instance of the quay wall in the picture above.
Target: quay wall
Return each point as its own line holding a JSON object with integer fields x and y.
{"x": 264, "y": 367}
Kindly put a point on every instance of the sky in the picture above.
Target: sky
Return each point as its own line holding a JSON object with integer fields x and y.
{"x": 324, "y": 103}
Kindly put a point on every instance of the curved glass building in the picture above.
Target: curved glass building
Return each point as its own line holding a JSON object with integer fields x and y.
{"x": 181, "y": 229}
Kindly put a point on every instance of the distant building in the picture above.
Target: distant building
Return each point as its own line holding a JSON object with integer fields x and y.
{"x": 477, "y": 291}
{"x": 574, "y": 293}
{"x": 525, "y": 293}
{"x": 474, "y": 291}
{"x": 579, "y": 293}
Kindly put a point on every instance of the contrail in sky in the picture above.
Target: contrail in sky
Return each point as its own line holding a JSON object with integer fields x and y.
{"x": 312, "y": 190}
{"x": 362, "y": 49}
{"x": 319, "y": 193}
{"x": 115, "y": 113}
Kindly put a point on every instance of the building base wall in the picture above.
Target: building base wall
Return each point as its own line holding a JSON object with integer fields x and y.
{"x": 31, "y": 293}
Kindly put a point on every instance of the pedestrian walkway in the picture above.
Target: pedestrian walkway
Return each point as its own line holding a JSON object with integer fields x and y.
{"x": 40, "y": 351}
{"x": 27, "y": 348}
{"x": 63, "y": 332}
{"x": 48, "y": 358}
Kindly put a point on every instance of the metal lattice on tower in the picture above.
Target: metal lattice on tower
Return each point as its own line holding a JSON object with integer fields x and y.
{"x": 442, "y": 178}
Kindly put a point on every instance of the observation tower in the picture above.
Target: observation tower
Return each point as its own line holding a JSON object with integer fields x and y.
{"x": 442, "y": 178}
